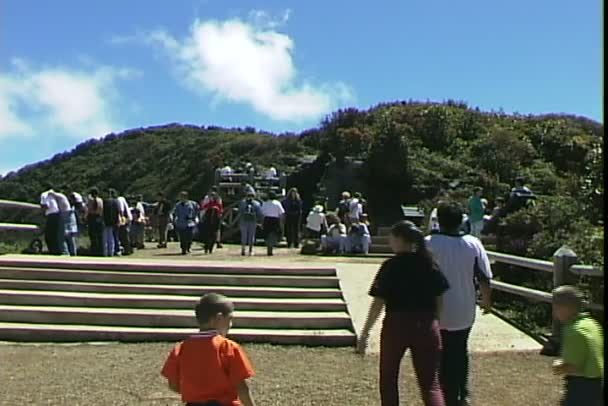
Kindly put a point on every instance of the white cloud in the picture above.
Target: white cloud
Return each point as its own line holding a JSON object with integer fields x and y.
{"x": 248, "y": 62}
{"x": 72, "y": 102}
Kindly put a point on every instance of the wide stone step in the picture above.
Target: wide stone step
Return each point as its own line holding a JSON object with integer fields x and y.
{"x": 174, "y": 289}
{"x": 169, "y": 318}
{"x": 158, "y": 278}
{"x": 380, "y": 239}
{"x": 136, "y": 301}
{"x": 380, "y": 249}
{"x": 107, "y": 264}
{"x": 384, "y": 231}
{"x": 28, "y": 332}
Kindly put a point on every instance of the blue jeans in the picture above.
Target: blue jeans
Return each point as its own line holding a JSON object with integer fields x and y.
{"x": 108, "y": 241}
{"x": 72, "y": 243}
{"x": 248, "y": 230}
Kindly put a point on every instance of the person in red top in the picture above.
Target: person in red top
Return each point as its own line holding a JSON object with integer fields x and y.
{"x": 207, "y": 369}
{"x": 212, "y": 209}
{"x": 218, "y": 203}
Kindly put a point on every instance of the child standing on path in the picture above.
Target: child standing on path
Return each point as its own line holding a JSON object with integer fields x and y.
{"x": 582, "y": 352}
{"x": 410, "y": 286}
{"x": 208, "y": 369}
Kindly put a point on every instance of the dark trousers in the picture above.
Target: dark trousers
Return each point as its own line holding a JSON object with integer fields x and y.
{"x": 95, "y": 227}
{"x": 272, "y": 230}
{"x": 418, "y": 331}
{"x": 125, "y": 240}
{"x": 292, "y": 230}
{"x": 163, "y": 223}
{"x": 583, "y": 391}
{"x": 54, "y": 233}
{"x": 454, "y": 374}
{"x": 185, "y": 238}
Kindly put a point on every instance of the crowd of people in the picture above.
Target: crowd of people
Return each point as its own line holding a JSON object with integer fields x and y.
{"x": 113, "y": 227}
{"x": 479, "y": 217}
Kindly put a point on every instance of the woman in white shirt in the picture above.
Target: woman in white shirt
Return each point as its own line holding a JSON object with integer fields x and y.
{"x": 316, "y": 222}
{"x": 272, "y": 211}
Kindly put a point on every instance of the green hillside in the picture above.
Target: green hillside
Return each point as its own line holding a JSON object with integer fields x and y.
{"x": 407, "y": 152}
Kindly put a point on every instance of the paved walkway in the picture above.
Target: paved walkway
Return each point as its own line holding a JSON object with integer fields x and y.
{"x": 490, "y": 334}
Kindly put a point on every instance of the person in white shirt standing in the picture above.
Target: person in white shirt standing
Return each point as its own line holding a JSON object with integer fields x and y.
{"x": 53, "y": 230}
{"x": 272, "y": 211}
{"x": 463, "y": 260}
{"x": 355, "y": 209}
{"x": 124, "y": 227}
{"x": 271, "y": 173}
{"x": 316, "y": 223}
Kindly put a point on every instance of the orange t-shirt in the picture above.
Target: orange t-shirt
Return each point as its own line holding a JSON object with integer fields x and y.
{"x": 206, "y": 367}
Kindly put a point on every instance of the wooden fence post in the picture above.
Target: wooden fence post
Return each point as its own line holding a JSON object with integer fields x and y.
{"x": 563, "y": 258}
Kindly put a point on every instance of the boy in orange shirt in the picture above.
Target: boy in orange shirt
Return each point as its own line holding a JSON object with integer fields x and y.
{"x": 207, "y": 369}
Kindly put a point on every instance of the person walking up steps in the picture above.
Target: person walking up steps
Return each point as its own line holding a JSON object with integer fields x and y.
{"x": 207, "y": 369}
{"x": 273, "y": 212}
{"x": 249, "y": 213}
{"x": 462, "y": 259}
{"x": 409, "y": 285}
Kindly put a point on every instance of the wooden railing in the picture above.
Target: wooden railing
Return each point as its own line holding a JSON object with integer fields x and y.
{"x": 565, "y": 269}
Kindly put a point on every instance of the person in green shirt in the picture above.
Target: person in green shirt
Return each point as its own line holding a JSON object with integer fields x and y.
{"x": 476, "y": 212}
{"x": 582, "y": 350}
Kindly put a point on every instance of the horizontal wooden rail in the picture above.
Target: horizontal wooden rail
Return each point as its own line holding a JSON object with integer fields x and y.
{"x": 536, "y": 264}
{"x": 528, "y": 293}
{"x": 587, "y": 270}
{"x": 18, "y": 227}
{"x": 18, "y": 205}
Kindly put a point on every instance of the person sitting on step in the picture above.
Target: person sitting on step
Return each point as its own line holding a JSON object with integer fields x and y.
{"x": 358, "y": 239}
{"x": 335, "y": 239}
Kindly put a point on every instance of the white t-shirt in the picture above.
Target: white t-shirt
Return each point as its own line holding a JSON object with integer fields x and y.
{"x": 123, "y": 207}
{"x": 456, "y": 259}
{"x": 271, "y": 173}
{"x": 62, "y": 201}
{"x": 315, "y": 220}
{"x": 272, "y": 208}
{"x": 226, "y": 170}
{"x": 49, "y": 201}
{"x": 355, "y": 209}
{"x": 433, "y": 221}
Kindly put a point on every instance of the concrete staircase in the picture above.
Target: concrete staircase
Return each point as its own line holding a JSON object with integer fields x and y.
{"x": 380, "y": 242}
{"x": 58, "y": 299}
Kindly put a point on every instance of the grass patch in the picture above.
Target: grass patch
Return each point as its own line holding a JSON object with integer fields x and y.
{"x": 128, "y": 374}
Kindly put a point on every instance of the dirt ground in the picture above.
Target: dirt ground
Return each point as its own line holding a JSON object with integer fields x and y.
{"x": 128, "y": 374}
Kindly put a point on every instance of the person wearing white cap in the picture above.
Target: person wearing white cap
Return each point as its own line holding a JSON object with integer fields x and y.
{"x": 316, "y": 222}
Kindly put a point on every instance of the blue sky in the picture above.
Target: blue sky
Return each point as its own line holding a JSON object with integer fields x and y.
{"x": 72, "y": 70}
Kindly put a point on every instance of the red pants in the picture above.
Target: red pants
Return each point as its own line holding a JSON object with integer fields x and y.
{"x": 418, "y": 331}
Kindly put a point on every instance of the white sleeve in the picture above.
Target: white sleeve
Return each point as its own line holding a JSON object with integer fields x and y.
{"x": 281, "y": 209}
{"x": 484, "y": 261}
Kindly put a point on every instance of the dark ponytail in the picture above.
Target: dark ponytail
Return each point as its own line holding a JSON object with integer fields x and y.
{"x": 407, "y": 231}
